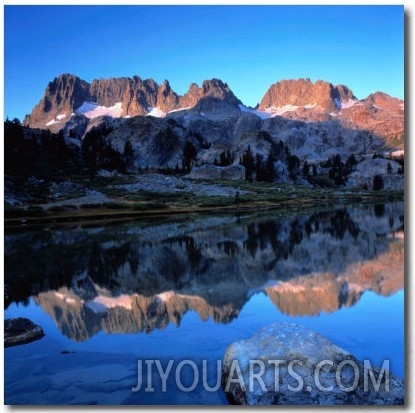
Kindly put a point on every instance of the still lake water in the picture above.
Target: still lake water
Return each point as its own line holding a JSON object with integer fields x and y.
{"x": 109, "y": 296}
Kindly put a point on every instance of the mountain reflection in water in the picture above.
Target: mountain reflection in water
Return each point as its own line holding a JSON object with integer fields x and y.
{"x": 141, "y": 277}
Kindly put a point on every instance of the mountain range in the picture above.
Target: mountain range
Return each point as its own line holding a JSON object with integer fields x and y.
{"x": 68, "y": 97}
{"x": 314, "y": 134}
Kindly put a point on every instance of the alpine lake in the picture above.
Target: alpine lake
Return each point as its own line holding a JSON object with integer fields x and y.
{"x": 185, "y": 288}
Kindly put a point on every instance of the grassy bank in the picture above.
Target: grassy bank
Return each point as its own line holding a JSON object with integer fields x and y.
{"x": 123, "y": 205}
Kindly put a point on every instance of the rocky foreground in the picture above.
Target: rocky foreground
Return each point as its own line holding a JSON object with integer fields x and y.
{"x": 340, "y": 376}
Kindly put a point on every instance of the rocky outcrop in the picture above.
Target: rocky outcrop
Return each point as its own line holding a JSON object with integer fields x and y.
{"x": 311, "y": 371}
{"x": 19, "y": 331}
{"x": 366, "y": 171}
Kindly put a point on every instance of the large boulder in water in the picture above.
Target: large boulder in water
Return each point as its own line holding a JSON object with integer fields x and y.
{"x": 297, "y": 366}
{"x": 21, "y": 331}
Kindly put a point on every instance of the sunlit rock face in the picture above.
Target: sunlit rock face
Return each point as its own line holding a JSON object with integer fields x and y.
{"x": 137, "y": 278}
{"x": 303, "y": 92}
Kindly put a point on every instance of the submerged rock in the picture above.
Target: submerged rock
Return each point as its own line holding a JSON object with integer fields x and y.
{"x": 21, "y": 331}
{"x": 287, "y": 364}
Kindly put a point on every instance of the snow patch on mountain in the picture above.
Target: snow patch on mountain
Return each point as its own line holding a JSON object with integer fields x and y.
{"x": 273, "y": 111}
{"x": 397, "y": 154}
{"x": 346, "y": 104}
{"x": 156, "y": 112}
{"x": 56, "y": 120}
{"x": 92, "y": 110}
{"x": 262, "y": 115}
{"x": 349, "y": 103}
{"x": 180, "y": 109}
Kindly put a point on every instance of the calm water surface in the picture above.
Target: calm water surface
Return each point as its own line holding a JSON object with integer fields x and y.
{"x": 185, "y": 290}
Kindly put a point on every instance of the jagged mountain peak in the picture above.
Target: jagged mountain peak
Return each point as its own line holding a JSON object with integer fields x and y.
{"x": 65, "y": 87}
{"x": 216, "y": 88}
{"x": 62, "y": 94}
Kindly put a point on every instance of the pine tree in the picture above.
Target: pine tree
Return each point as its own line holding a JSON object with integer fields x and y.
{"x": 377, "y": 182}
{"x": 306, "y": 169}
{"x": 338, "y": 171}
{"x": 269, "y": 175}
{"x": 389, "y": 168}
{"x": 293, "y": 164}
{"x": 222, "y": 159}
{"x": 229, "y": 159}
{"x": 189, "y": 156}
{"x": 350, "y": 163}
{"x": 128, "y": 153}
{"x": 248, "y": 163}
{"x": 259, "y": 167}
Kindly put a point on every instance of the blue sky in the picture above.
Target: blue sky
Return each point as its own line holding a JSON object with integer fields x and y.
{"x": 249, "y": 47}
